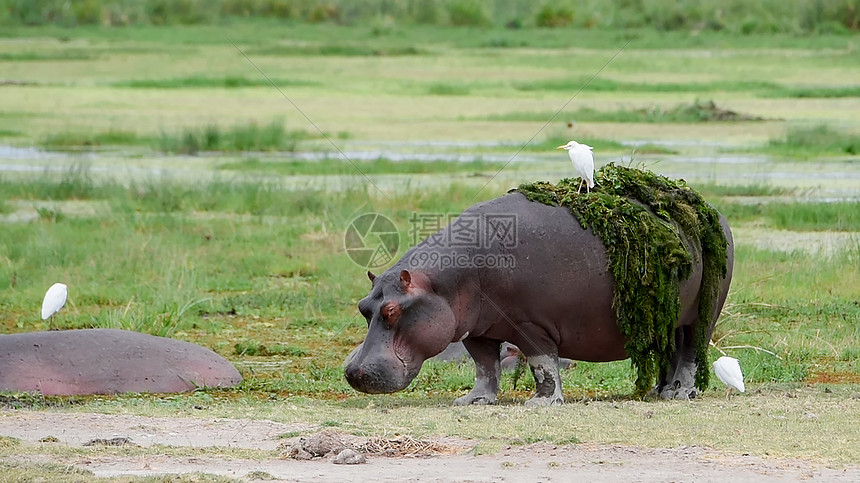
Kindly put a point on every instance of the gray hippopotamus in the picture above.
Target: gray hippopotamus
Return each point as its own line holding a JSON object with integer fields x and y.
{"x": 108, "y": 361}
{"x": 541, "y": 283}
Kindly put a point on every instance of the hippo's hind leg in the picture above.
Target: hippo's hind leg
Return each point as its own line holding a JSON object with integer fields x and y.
{"x": 666, "y": 379}
{"x": 485, "y": 352}
{"x": 681, "y": 379}
{"x": 547, "y": 380}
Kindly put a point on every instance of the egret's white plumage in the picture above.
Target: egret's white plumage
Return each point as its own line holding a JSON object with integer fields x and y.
{"x": 728, "y": 370}
{"x": 54, "y": 300}
{"x": 583, "y": 162}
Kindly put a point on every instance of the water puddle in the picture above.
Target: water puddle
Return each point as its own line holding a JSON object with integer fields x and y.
{"x": 12, "y": 152}
{"x": 397, "y": 156}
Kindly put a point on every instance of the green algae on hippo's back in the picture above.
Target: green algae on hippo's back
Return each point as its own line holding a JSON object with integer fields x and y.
{"x": 654, "y": 229}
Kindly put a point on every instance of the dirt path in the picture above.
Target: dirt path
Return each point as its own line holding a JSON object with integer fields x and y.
{"x": 537, "y": 462}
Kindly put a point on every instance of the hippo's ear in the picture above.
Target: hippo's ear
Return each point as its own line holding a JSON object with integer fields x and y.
{"x": 371, "y": 276}
{"x": 411, "y": 280}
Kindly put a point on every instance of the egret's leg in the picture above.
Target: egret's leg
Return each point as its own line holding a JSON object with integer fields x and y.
{"x": 579, "y": 188}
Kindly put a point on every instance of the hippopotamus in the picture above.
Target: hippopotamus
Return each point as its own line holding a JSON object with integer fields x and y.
{"x": 108, "y": 361}
{"x": 549, "y": 292}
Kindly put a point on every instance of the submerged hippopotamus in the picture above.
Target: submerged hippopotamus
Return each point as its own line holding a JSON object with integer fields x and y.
{"x": 541, "y": 283}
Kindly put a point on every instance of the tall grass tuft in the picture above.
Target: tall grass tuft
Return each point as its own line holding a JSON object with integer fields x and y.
{"x": 838, "y": 216}
{"x": 820, "y": 139}
{"x": 448, "y": 89}
{"x": 240, "y": 137}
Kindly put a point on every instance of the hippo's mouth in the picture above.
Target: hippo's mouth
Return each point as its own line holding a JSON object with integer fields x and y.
{"x": 376, "y": 373}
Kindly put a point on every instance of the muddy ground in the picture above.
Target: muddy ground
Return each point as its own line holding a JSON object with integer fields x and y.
{"x": 535, "y": 462}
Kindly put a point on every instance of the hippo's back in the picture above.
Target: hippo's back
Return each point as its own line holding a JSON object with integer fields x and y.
{"x": 559, "y": 279}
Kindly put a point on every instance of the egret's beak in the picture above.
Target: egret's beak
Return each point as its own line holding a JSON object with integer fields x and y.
{"x": 562, "y": 146}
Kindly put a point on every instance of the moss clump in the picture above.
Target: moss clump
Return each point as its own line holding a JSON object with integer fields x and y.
{"x": 649, "y": 256}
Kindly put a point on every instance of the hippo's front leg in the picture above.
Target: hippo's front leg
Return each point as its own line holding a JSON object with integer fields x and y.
{"x": 485, "y": 352}
{"x": 547, "y": 380}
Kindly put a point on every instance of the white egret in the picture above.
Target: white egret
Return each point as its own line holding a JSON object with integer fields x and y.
{"x": 55, "y": 299}
{"x": 728, "y": 370}
{"x": 583, "y": 163}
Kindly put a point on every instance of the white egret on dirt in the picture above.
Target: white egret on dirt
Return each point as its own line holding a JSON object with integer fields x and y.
{"x": 583, "y": 163}
{"x": 55, "y": 299}
{"x": 728, "y": 370}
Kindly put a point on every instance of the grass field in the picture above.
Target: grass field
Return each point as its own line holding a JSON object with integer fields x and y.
{"x": 178, "y": 192}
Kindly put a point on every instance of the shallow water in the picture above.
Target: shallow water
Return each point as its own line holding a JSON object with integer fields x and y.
{"x": 826, "y": 178}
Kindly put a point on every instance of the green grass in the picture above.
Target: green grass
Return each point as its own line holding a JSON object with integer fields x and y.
{"x": 195, "y": 82}
{"x": 448, "y": 89}
{"x": 837, "y": 216}
{"x": 250, "y": 136}
{"x": 699, "y": 111}
{"x": 233, "y": 257}
{"x": 818, "y": 92}
{"x": 287, "y": 267}
{"x": 796, "y": 216}
{"x": 606, "y": 85}
{"x": 113, "y": 137}
{"x": 767, "y": 16}
{"x": 376, "y": 49}
{"x": 711, "y": 190}
{"x": 553, "y": 139}
{"x": 815, "y": 141}
{"x": 557, "y": 137}
{"x": 258, "y": 274}
{"x": 63, "y": 55}
{"x": 172, "y": 79}
{"x": 256, "y": 348}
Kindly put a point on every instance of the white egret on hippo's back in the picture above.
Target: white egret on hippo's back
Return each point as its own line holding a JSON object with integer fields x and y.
{"x": 583, "y": 162}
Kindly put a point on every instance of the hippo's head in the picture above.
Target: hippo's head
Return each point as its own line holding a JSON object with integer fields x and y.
{"x": 407, "y": 323}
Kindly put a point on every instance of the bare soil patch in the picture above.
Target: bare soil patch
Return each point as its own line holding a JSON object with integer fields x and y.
{"x": 394, "y": 458}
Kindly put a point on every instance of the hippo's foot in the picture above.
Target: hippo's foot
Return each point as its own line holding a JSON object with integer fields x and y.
{"x": 658, "y": 389}
{"x": 677, "y": 391}
{"x": 547, "y": 381}
{"x": 554, "y": 400}
{"x": 476, "y": 399}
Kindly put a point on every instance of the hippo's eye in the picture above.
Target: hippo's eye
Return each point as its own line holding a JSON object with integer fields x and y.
{"x": 391, "y": 312}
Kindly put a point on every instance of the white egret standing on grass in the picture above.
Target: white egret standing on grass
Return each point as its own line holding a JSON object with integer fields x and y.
{"x": 583, "y": 163}
{"x": 55, "y": 299}
{"x": 728, "y": 370}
